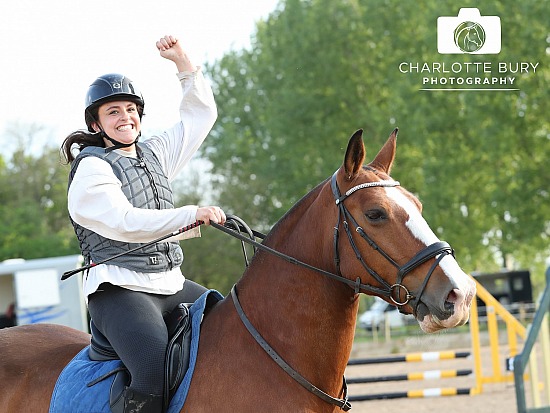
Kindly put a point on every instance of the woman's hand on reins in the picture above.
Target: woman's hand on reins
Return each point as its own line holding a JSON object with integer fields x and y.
{"x": 211, "y": 214}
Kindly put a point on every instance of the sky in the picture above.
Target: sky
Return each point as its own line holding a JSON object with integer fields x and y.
{"x": 51, "y": 50}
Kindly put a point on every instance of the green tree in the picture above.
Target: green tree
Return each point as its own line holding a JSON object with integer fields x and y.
{"x": 317, "y": 70}
{"x": 33, "y": 201}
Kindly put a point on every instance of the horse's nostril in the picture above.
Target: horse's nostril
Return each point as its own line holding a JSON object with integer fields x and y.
{"x": 449, "y": 304}
{"x": 452, "y": 297}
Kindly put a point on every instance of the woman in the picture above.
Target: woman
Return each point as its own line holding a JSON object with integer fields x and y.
{"x": 119, "y": 196}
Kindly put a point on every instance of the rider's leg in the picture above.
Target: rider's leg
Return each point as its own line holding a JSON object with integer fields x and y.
{"x": 133, "y": 324}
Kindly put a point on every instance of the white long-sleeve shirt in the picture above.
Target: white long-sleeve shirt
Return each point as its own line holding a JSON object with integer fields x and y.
{"x": 96, "y": 200}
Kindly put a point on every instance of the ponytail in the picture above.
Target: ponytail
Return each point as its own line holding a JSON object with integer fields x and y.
{"x": 77, "y": 141}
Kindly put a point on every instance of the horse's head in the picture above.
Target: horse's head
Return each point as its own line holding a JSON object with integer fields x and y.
{"x": 399, "y": 258}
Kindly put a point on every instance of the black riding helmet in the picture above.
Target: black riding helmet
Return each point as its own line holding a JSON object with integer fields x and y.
{"x": 110, "y": 87}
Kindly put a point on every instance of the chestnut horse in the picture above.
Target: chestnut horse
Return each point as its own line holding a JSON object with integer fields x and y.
{"x": 358, "y": 231}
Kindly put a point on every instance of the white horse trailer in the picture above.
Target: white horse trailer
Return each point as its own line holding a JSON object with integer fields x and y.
{"x": 35, "y": 290}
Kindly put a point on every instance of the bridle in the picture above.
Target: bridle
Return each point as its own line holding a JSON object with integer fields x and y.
{"x": 436, "y": 250}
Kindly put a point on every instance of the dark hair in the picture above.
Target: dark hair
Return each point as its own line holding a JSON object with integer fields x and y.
{"x": 79, "y": 140}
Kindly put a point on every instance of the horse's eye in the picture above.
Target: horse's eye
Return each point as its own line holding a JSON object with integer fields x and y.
{"x": 376, "y": 215}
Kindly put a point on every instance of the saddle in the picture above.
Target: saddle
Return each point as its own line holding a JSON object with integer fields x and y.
{"x": 176, "y": 361}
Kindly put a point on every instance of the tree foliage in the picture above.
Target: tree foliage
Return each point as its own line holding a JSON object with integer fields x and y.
{"x": 318, "y": 70}
{"x": 33, "y": 201}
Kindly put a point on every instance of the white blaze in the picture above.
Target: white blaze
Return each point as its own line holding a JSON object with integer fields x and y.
{"x": 421, "y": 230}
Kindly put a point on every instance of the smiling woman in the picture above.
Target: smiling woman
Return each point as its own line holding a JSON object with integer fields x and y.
{"x": 120, "y": 120}
{"x": 114, "y": 108}
{"x": 119, "y": 200}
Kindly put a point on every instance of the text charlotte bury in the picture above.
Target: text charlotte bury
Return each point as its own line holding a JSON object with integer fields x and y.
{"x": 468, "y": 73}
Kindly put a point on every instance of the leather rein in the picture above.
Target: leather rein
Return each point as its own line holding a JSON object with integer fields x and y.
{"x": 436, "y": 250}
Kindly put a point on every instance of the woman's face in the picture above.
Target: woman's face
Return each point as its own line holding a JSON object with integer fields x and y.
{"x": 120, "y": 121}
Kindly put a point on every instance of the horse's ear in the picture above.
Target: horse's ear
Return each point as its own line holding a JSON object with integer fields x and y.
{"x": 384, "y": 159}
{"x": 355, "y": 155}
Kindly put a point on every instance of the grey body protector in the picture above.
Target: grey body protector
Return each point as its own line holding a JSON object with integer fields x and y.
{"x": 146, "y": 186}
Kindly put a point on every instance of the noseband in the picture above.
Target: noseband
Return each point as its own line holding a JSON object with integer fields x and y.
{"x": 436, "y": 250}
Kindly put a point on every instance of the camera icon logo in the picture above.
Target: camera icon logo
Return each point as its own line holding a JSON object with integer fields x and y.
{"x": 469, "y": 32}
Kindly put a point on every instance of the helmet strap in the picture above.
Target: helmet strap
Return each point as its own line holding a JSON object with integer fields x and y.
{"x": 117, "y": 144}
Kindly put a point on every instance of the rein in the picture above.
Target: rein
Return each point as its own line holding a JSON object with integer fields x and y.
{"x": 343, "y": 404}
{"x": 434, "y": 250}
{"x": 356, "y": 285}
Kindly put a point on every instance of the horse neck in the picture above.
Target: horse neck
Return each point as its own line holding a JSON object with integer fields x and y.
{"x": 308, "y": 318}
